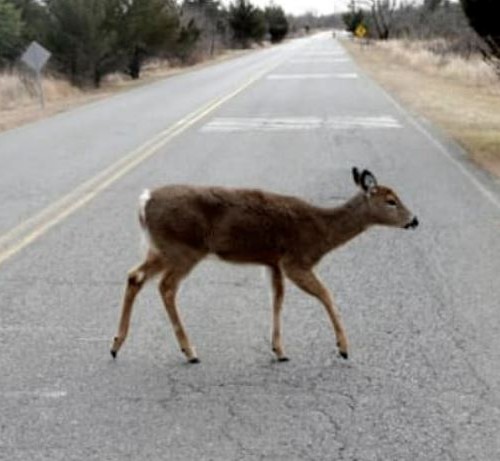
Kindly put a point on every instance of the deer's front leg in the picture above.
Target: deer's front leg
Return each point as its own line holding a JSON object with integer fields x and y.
{"x": 278, "y": 294}
{"x": 168, "y": 287}
{"x": 309, "y": 282}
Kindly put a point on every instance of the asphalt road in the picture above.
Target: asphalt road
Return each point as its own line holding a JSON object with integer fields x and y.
{"x": 421, "y": 308}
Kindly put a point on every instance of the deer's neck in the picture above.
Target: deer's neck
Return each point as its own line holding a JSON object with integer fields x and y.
{"x": 347, "y": 221}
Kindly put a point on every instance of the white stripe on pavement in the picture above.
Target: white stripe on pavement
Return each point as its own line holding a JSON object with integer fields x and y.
{"x": 342, "y": 76}
{"x": 323, "y": 53}
{"x": 41, "y": 393}
{"x": 235, "y": 124}
{"x": 317, "y": 60}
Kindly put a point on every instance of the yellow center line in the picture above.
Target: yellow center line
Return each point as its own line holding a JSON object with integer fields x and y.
{"x": 34, "y": 227}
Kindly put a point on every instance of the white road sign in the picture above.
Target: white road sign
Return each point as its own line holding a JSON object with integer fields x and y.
{"x": 35, "y": 56}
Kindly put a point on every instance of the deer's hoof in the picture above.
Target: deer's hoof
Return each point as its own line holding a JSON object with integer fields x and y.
{"x": 194, "y": 360}
{"x": 283, "y": 359}
{"x": 344, "y": 355}
{"x": 113, "y": 353}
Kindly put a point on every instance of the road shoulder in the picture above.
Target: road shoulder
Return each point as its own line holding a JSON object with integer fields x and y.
{"x": 465, "y": 111}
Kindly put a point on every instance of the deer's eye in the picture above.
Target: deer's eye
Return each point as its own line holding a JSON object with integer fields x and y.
{"x": 391, "y": 202}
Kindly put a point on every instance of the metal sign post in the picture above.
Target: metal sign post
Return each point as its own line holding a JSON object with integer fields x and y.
{"x": 35, "y": 57}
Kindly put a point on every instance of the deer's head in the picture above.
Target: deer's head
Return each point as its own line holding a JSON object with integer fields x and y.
{"x": 383, "y": 205}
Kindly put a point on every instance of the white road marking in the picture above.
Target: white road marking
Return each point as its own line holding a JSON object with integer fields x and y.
{"x": 93, "y": 340}
{"x": 41, "y": 393}
{"x": 346, "y": 76}
{"x": 27, "y": 330}
{"x": 30, "y": 329}
{"x": 324, "y": 53}
{"x": 317, "y": 60}
{"x": 222, "y": 124}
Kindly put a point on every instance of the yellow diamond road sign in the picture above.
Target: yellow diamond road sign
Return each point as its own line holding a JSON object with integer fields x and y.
{"x": 360, "y": 31}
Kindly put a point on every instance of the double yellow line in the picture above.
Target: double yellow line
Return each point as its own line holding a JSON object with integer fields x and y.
{"x": 31, "y": 229}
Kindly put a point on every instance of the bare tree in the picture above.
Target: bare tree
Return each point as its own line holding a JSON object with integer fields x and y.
{"x": 209, "y": 16}
{"x": 383, "y": 15}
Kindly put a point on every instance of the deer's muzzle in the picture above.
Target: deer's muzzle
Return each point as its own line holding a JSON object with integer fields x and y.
{"x": 412, "y": 224}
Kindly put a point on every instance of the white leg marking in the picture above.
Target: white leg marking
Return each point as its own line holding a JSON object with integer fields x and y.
{"x": 140, "y": 277}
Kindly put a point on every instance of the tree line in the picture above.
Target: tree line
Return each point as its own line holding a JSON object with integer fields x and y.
{"x": 470, "y": 25}
{"x": 91, "y": 38}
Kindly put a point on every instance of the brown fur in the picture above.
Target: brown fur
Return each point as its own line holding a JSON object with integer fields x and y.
{"x": 286, "y": 234}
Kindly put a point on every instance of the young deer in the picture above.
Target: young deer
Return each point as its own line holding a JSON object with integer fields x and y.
{"x": 184, "y": 224}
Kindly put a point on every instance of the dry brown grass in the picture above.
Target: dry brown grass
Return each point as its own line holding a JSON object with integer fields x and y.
{"x": 19, "y": 102}
{"x": 16, "y": 90}
{"x": 421, "y": 56}
{"x": 460, "y": 95}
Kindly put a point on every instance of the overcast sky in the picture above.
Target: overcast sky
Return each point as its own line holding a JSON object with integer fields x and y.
{"x": 304, "y": 6}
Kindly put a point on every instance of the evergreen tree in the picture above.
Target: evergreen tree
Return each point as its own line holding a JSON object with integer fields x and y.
{"x": 10, "y": 32}
{"x": 81, "y": 40}
{"x": 277, "y": 24}
{"x": 144, "y": 28}
{"x": 35, "y": 17}
{"x": 353, "y": 18}
{"x": 247, "y": 22}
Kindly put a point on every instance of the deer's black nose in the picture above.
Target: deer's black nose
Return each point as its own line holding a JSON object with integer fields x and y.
{"x": 412, "y": 224}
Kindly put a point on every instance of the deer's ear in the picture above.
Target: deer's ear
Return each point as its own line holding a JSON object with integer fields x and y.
{"x": 356, "y": 175}
{"x": 367, "y": 181}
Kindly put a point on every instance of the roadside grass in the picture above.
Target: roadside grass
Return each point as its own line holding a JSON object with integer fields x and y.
{"x": 19, "y": 102}
{"x": 462, "y": 96}
{"x": 15, "y": 90}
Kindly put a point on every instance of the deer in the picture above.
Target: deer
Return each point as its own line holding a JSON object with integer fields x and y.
{"x": 184, "y": 224}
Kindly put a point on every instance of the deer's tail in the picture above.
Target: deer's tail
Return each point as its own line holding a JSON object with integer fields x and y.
{"x": 146, "y": 241}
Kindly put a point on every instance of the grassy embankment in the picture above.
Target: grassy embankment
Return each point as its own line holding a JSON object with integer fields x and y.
{"x": 461, "y": 96}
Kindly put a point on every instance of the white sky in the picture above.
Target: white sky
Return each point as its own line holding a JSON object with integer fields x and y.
{"x": 304, "y": 6}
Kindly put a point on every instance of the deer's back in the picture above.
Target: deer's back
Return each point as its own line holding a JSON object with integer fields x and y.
{"x": 242, "y": 225}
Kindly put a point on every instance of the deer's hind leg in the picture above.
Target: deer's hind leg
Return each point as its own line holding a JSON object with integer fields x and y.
{"x": 278, "y": 295}
{"x": 137, "y": 277}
